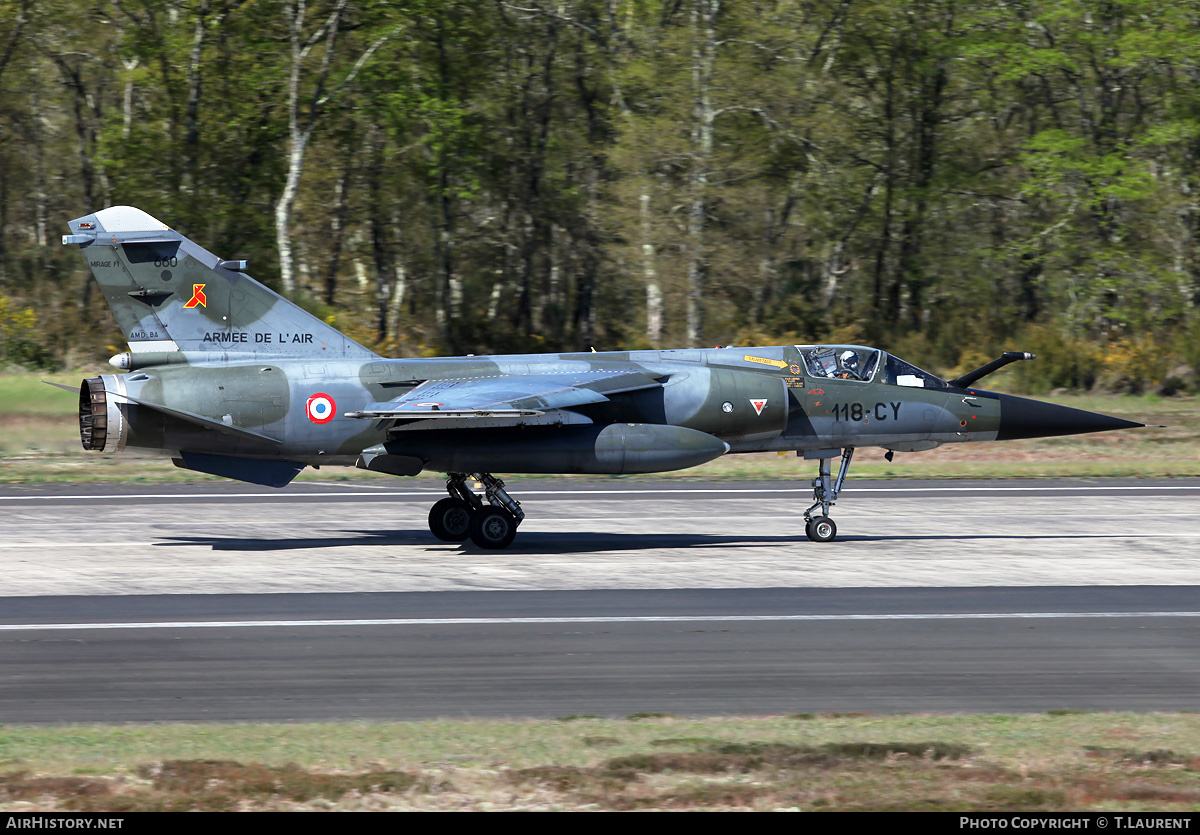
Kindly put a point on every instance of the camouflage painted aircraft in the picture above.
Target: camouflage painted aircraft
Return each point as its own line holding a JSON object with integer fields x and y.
{"x": 226, "y": 377}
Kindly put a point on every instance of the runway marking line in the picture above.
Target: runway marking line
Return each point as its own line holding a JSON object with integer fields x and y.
{"x": 349, "y": 486}
{"x": 248, "y": 624}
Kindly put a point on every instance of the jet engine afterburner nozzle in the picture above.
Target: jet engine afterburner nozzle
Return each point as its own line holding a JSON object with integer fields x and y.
{"x": 93, "y": 414}
{"x": 101, "y": 422}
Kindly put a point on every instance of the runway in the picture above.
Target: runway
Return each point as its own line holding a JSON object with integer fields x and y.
{"x": 619, "y": 534}
{"x": 327, "y": 601}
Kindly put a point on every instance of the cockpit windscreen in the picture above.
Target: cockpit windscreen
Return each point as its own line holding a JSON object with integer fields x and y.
{"x": 897, "y": 372}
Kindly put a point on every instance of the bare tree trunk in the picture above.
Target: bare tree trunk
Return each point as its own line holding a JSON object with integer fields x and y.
{"x": 87, "y": 111}
{"x": 400, "y": 285}
{"x": 385, "y": 277}
{"x": 883, "y": 304}
{"x": 927, "y": 116}
{"x": 6, "y": 53}
{"x": 774, "y": 226}
{"x": 654, "y": 297}
{"x": 302, "y": 124}
{"x": 549, "y": 307}
{"x": 85, "y": 131}
{"x": 127, "y": 98}
{"x": 704, "y": 47}
{"x": 380, "y": 225}
{"x": 836, "y": 265}
{"x": 14, "y": 37}
{"x": 337, "y": 226}
{"x": 450, "y": 292}
{"x": 191, "y": 140}
{"x": 396, "y": 303}
{"x": 283, "y": 213}
{"x": 39, "y": 174}
{"x": 449, "y": 288}
{"x": 767, "y": 271}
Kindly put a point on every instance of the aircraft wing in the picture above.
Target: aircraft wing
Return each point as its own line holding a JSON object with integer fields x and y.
{"x": 508, "y": 396}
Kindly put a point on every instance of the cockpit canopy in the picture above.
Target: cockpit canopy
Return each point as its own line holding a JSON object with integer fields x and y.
{"x": 856, "y": 362}
{"x": 846, "y": 362}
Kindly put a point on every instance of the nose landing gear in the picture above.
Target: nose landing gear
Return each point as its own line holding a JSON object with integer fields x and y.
{"x": 820, "y": 529}
{"x": 464, "y": 515}
{"x": 825, "y": 492}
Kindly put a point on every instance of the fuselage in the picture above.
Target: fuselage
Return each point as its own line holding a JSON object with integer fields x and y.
{"x": 751, "y": 399}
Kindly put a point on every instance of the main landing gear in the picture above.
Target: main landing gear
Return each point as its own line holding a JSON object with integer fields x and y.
{"x": 464, "y": 515}
{"x": 825, "y": 492}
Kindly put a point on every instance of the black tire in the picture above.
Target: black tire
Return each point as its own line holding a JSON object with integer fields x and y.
{"x": 821, "y": 529}
{"x": 493, "y": 528}
{"x": 450, "y": 520}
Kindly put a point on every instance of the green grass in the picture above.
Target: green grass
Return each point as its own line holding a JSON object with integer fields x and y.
{"x": 39, "y": 442}
{"x": 1067, "y": 761}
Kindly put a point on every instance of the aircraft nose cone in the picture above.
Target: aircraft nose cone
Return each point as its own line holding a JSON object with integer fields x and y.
{"x": 1024, "y": 418}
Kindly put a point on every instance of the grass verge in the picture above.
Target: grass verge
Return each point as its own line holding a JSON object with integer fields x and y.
{"x": 1064, "y": 760}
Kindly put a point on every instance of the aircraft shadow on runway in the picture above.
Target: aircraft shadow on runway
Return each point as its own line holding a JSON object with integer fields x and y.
{"x": 533, "y": 543}
{"x": 529, "y": 543}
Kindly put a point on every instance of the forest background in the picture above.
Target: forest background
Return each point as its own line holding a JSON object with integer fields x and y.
{"x": 941, "y": 178}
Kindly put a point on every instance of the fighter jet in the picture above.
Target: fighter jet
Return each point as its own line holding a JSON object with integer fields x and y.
{"x": 226, "y": 377}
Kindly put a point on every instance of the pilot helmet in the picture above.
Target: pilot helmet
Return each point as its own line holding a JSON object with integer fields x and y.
{"x": 849, "y": 359}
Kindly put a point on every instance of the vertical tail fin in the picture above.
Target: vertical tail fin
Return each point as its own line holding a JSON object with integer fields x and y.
{"x": 172, "y": 295}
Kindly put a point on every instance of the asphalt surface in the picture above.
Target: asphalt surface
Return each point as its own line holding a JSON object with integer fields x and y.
{"x": 187, "y": 603}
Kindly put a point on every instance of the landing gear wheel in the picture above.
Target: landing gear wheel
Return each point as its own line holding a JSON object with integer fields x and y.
{"x": 821, "y": 529}
{"x": 450, "y": 520}
{"x": 493, "y": 528}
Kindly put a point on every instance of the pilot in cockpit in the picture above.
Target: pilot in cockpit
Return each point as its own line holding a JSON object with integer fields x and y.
{"x": 848, "y": 364}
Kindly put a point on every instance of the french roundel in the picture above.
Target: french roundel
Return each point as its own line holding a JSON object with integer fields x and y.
{"x": 320, "y": 408}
